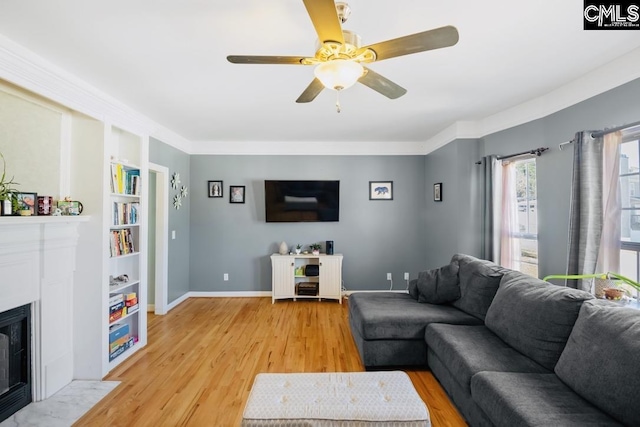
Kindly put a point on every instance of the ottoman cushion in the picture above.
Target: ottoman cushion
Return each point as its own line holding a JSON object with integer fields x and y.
{"x": 323, "y": 399}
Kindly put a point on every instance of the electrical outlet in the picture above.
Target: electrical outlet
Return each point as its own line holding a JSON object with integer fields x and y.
{"x": 388, "y": 276}
{"x": 226, "y": 277}
{"x": 173, "y": 234}
{"x": 406, "y": 276}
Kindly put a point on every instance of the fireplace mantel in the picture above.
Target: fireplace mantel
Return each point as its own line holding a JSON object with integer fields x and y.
{"x": 37, "y": 261}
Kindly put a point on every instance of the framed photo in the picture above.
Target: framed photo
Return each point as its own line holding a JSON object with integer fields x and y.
{"x": 380, "y": 190}
{"x": 437, "y": 192}
{"x": 27, "y": 202}
{"x": 215, "y": 188}
{"x": 236, "y": 194}
{"x": 70, "y": 207}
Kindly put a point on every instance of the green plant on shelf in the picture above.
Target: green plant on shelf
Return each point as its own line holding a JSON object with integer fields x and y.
{"x": 7, "y": 190}
{"x": 315, "y": 246}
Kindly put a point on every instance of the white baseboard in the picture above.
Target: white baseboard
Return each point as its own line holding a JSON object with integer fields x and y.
{"x": 248, "y": 294}
{"x": 238, "y": 294}
{"x": 173, "y": 304}
{"x": 151, "y": 307}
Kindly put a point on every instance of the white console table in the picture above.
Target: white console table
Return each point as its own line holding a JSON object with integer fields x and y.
{"x": 285, "y": 281}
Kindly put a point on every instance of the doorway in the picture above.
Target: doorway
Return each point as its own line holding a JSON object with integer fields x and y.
{"x": 158, "y": 239}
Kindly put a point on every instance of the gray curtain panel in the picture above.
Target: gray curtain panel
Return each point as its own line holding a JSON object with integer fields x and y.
{"x": 490, "y": 245}
{"x": 586, "y": 214}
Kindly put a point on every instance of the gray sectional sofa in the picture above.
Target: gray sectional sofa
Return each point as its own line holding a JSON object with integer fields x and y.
{"x": 509, "y": 349}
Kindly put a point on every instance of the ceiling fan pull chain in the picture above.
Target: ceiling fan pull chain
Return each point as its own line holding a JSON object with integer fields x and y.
{"x": 338, "y": 101}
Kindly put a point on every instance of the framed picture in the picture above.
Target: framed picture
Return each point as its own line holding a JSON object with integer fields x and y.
{"x": 27, "y": 202}
{"x": 437, "y": 192}
{"x": 68, "y": 207}
{"x": 215, "y": 188}
{"x": 380, "y": 190}
{"x": 236, "y": 194}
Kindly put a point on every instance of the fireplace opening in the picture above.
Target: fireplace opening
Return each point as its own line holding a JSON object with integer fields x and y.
{"x": 15, "y": 360}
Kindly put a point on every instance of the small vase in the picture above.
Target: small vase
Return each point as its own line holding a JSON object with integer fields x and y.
{"x": 284, "y": 249}
{"x": 297, "y": 251}
{"x": 315, "y": 252}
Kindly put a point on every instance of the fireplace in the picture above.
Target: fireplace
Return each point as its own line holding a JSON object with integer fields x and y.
{"x": 15, "y": 360}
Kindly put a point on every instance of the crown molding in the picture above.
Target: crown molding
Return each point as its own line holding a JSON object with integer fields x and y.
{"x": 25, "y": 69}
{"x": 284, "y": 148}
{"x": 618, "y": 72}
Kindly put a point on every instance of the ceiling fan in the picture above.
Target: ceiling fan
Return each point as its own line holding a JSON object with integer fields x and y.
{"x": 340, "y": 55}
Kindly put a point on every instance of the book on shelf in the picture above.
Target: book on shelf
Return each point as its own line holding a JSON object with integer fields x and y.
{"x": 122, "y": 242}
{"x": 132, "y": 309}
{"x": 124, "y": 347}
{"x": 116, "y": 315}
{"x": 117, "y": 306}
{"x": 125, "y": 213}
{"x": 114, "y": 299}
{"x": 113, "y": 346}
{"x": 131, "y": 302}
{"x": 124, "y": 180}
{"x": 117, "y": 331}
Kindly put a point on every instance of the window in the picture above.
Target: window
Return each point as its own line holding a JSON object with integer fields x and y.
{"x": 526, "y": 232}
{"x": 630, "y": 208}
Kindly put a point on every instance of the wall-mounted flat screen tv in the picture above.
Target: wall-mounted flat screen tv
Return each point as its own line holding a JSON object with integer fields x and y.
{"x": 302, "y": 201}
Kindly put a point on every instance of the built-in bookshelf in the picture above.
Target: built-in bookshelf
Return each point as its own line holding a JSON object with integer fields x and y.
{"x": 111, "y": 278}
{"x": 126, "y": 322}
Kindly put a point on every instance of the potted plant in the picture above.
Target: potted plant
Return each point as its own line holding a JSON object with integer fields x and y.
{"x": 315, "y": 248}
{"x": 8, "y": 197}
{"x": 298, "y": 248}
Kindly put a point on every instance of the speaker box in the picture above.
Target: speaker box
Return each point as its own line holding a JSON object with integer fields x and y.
{"x": 329, "y": 247}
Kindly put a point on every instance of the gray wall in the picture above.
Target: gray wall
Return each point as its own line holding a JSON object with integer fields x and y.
{"x": 554, "y": 168}
{"x": 375, "y": 237}
{"x": 452, "y": 225}
{"x": 176, "y": 161}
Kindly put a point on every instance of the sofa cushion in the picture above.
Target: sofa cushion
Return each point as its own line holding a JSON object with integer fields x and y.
{"x": 535, "y": 317}
{"x": 440, "y": 285}
{"x": 479, "y": 281}
{"x": 517, "y": 399}
{"x": 412, "y": 289}
{"x": 467, "y": 350}
{"x": 391, "y": 315}
{"x": 601, "y": 361}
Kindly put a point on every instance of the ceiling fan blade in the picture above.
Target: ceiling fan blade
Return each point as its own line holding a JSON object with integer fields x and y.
{"x": 414, "y": 43}
{"x": 311, "y": 92}
{"x": 381, "y": 84}
{"x": 247, "y": 59}
{"x": 325, "y": 20}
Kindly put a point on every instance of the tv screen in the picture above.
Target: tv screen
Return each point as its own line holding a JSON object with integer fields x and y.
{"x": 302, "y": 201}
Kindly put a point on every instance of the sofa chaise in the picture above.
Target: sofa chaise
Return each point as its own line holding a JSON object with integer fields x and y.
{"x": 509, "y": 349}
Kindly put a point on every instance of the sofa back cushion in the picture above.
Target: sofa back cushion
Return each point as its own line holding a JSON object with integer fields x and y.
{"x": 412, "y": 289}
{"x": 439, "y": 286}
{"x": 479, "y": 281}
{"x": 601, "y": 360}
{"x": 534, "y": 317}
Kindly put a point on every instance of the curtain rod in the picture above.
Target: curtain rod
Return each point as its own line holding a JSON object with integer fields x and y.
{"x": 537, "y": 151}
{"x": 615, "y": 129}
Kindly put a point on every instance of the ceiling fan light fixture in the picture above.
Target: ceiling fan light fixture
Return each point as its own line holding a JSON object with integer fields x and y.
{"x": 339, "y": 74}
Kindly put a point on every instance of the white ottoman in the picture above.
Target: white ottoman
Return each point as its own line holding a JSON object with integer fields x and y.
{"x": 335, "y": 399}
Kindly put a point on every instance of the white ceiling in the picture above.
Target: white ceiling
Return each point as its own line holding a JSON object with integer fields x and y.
{"x": 167, "y": 60}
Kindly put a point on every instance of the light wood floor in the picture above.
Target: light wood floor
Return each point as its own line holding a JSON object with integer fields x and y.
{"x": 199, "y": 364}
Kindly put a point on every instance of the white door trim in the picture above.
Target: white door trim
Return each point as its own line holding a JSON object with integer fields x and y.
{"x": 162, "y": 237}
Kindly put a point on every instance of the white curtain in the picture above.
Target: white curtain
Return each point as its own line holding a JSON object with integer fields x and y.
{"x": 509, "y": 243}
{"x": 609, "y": 251}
